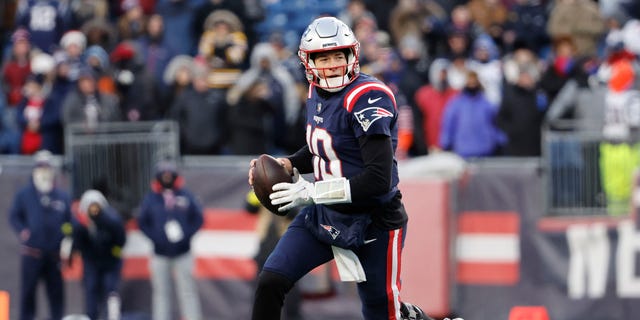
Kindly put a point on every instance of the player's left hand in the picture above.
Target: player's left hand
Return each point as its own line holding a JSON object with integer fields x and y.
{"x": 296, "y": 194}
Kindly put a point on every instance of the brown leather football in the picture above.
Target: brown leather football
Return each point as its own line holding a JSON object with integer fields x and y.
{"x": 267, "y": 172}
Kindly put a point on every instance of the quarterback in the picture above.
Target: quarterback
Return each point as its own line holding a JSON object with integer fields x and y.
{"x": 352, "y": 210}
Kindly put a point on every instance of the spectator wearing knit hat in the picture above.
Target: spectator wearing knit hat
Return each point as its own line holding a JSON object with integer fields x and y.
{"x": 15, "y": 72}
{"x": 38, "y": 115}
{"x": 132, "y": 23}
{"x": 73, "y": 45}
{"x": 16, "y": 69}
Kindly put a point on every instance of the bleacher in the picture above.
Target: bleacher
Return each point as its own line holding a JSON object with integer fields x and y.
{"x": 291, "y": 17}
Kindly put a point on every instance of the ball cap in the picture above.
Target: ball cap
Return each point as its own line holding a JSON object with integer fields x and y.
{"x": 43, "y": 158}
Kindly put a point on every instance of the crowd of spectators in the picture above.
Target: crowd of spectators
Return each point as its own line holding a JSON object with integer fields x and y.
{"x": 475, "y": 77}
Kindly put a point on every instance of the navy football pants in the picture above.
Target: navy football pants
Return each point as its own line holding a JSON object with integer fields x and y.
{"x": 34, "y": 268}
{"x": 299, "y": 252}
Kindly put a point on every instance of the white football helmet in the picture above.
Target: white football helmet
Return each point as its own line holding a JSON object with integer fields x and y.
{"x": 329, "y": 34}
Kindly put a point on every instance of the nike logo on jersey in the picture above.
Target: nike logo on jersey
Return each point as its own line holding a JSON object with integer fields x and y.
{"x": 368, "y": 116}
{"x": 317, "y": 119}
{"x": 372, "y": 101}
{"x": 370, "y": 240}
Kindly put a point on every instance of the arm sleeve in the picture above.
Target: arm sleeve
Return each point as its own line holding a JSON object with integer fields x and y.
{"x": 302, "y": 160}
{"x": 375, "y": 179}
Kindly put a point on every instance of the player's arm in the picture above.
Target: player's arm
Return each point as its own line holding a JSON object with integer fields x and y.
{"x": 302, "y": 159}
{"x": 375, "y": 179}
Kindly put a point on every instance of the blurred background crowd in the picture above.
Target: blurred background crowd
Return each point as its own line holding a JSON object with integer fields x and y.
{"x": 479, "y": 78}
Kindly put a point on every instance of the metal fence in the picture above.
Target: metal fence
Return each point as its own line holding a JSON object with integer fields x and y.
{"x": 118, "y": 158}
{"x": 588, "y": 175}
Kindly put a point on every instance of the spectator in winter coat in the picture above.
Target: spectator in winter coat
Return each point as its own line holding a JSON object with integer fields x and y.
{"x": 15, "y": 71}
{"x": 99, "y": 236}
{"x": 169, "y": 216}
{"x": 88, "y": 106}
{"x": 521, "y": 114}
{"x": 39, "y": 114}
{"x": 431, "y": 100}
{"x": 41, "y": 217}
{"x": 97, "y": 59}
{"x": 224, "y": 46}
{"x": 264, "y": 98}
{"x": 486, "y": 63}
{"x": 73, "y": 45}
{"x": 177, "y": 79}
{"x": 132, "y": 22}
{"x": 468, "y": 127}
{"x": 200, "y": 112}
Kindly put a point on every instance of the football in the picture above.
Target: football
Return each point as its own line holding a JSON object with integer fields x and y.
{"x": 267, "y": 172}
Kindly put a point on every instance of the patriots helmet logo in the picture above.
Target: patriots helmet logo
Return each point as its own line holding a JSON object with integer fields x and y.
{"x": 366, "y": 117}
{"x": 332, "y": 231}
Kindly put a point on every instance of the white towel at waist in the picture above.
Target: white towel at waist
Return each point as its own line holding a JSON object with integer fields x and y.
{"x": 349, "y": 266}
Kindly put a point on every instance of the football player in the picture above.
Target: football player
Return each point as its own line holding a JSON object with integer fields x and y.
{"x": 352, "y": 210}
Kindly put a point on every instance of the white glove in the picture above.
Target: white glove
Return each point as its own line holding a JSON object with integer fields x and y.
{"x": 299, "y": 193}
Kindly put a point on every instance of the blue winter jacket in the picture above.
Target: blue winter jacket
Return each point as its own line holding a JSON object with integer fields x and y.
{"x": 468, "y": 126}
{"x": 101, "y": 247}
{"x": 154, "y": 216}
{"x": 45, "y": 216}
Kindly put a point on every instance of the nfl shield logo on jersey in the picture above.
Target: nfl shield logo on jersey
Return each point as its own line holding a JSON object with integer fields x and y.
{"x": 368, "y": 116}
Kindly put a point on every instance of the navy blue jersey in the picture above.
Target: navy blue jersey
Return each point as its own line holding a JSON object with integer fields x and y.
{"x": 334, "y": 124}
{"x": 45, "y": 20}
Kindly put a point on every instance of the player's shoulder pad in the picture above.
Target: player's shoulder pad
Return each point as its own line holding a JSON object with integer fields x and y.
{"x": 354, "y": 94}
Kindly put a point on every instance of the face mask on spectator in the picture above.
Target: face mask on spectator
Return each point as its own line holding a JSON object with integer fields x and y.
{"x": 43, "y": 179}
